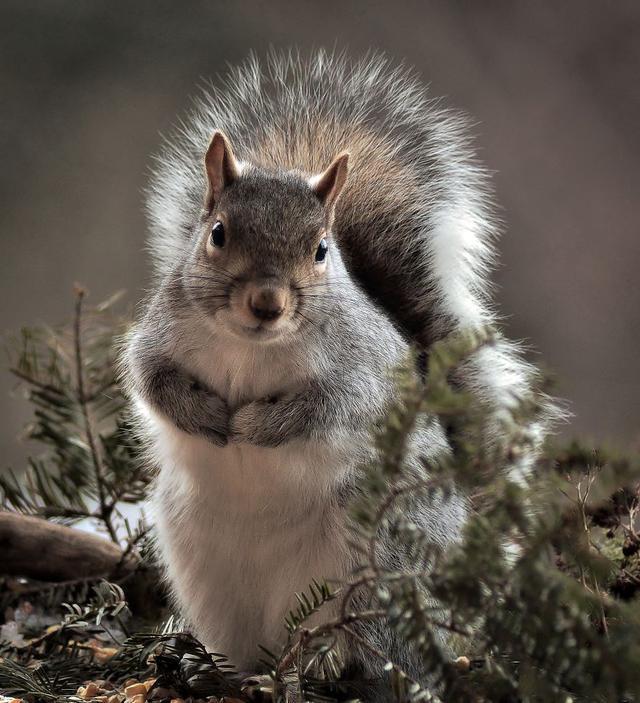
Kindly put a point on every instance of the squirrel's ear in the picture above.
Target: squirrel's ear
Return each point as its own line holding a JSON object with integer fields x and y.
{"x": 221, "y": 166}
{"x": 327, "y": 185}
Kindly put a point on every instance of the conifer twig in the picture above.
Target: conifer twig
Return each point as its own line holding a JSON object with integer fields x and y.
{"x": 305, "y": 635}
{"x": 106, "y": 510}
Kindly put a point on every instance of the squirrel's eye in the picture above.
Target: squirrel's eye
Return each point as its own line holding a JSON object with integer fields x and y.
{"x": 321, "y": 251}
{"x": 217, "y": 235}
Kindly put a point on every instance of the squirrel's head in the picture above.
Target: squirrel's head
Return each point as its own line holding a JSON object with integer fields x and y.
{"x": 264, "y": 251}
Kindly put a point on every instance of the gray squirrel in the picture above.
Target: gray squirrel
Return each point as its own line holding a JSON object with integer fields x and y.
{"x": 311, "y": 220}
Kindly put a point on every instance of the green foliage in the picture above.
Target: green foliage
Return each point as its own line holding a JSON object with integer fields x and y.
{"x": 51, "y": 667}
{"x": 91, "y": 462}
{"x": 524, "y": 595}
{"x": 319, "y": 594}
{"x": 538, "y": 602}
{"x": 178, "y": 662}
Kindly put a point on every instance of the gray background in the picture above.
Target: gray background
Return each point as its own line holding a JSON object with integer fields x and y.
{"x": 86, "y": 88}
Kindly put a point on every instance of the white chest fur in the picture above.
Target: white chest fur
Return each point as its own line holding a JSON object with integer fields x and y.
{"x": 242, "y": 371}
{"x": 240, "y": 527}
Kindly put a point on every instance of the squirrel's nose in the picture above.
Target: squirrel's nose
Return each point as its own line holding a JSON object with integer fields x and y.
{"x": 267, "y": 303}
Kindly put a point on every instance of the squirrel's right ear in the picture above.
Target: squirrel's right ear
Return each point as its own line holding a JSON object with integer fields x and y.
{"x": 327, "y": 185}
{"x": 221, "y": 166}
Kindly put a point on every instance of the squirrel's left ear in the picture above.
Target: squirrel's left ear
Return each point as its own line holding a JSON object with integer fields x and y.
{"x": 327, "y": 185}
{"x": 221, "y": 166}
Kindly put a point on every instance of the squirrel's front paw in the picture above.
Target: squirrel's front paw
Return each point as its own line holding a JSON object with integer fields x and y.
{"x": 242, "y": 424}
{"x": 214, "y": 424}
{"x": 257, "y": 423}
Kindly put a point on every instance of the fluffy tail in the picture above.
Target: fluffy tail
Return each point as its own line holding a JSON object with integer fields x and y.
{"x": 415, "y": 222}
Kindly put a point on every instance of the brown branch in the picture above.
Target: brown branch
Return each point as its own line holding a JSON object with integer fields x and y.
{"x": 37, "y": 549}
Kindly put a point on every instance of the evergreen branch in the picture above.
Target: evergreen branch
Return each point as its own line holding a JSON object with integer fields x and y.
{"x": 105, "y": 510}
{"x": 16, "y": 679}
{"x": 320, "y": 594}
{"x": 415, "y": 691}
{"x": 33, "y": 381}
{"x": 304, "y": 636}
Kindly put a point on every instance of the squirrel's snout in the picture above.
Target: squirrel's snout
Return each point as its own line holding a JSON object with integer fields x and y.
{"x": 267, "y": 303}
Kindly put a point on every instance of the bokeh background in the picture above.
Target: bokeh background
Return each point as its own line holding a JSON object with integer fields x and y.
{"x": 88, "y": 87}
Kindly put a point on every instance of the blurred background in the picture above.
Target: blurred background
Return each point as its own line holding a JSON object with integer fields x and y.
{"x": 87, "y": 88}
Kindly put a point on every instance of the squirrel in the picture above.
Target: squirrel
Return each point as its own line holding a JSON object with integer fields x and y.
{"x": 309, "y": 223}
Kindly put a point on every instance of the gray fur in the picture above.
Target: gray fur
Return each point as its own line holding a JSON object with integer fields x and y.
{"x": 258, "y": 443}
{"x": 169, "y": 388}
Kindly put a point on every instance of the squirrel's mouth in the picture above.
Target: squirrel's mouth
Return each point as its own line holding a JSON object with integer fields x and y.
{"x": 258, "y": 325}
{"x": 260, "y": 333}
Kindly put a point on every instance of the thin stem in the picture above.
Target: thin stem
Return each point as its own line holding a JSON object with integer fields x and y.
{"x": 47, "y": 511}
{"x": 306, "y": 635}
{"x": 132, "y": 543}
{"x": 105, "y": 510}
{"x": 34, "y": 381}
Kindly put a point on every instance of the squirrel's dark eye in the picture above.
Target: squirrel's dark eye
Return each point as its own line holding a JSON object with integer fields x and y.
{"x": 321, "y": 251}
{"x": 217, "y": 235}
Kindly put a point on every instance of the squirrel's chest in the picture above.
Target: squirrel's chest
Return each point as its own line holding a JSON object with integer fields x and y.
{"x": 240, "y": 533}
{"x": 241, "y": 372}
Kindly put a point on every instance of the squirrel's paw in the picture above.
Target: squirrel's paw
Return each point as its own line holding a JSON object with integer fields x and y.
{"x": 243, "y": 423}
{"x": 217, "y": 438}
{"x": 214, "y": 420}
{"x": 256, "y": 423}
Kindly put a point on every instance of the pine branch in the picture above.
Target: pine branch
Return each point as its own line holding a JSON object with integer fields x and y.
{"x": 92, "y": 462}
{"x": 105, "y": 510}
